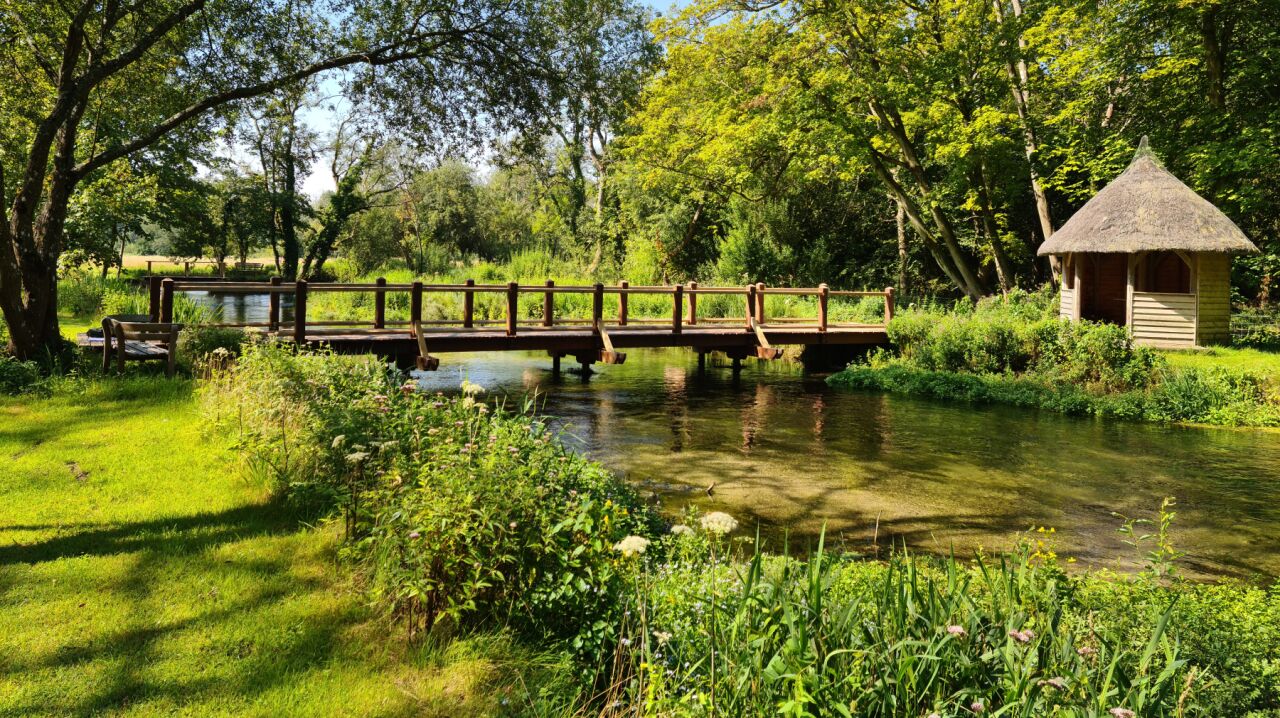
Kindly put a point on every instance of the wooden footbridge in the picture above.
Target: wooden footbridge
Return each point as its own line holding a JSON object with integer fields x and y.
{"x": 602, "y": 337}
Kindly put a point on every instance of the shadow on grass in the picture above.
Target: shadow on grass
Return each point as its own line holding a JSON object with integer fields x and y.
{"x": 174, "y": 536}
{"x": 187, "y": 627}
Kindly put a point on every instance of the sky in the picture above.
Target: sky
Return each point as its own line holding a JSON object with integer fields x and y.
{"x": 323, "y": 118}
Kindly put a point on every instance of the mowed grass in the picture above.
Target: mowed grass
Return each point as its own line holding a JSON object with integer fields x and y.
{"x": 141, "y": 575}
{"x": 1263, "y": 361}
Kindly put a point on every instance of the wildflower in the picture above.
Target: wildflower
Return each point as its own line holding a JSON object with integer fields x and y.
{"x": 957, "y": 631}
{"x": 432, "y": 431}
{"x": 1119, "y": 712}
{"x": 337, "y": 440}
{"x": 1086, "y": 651}
{"x": 662, "y": 636}
{"x": 632, "y": 545}
{"x": 468, "y": 402}
{"x": 1022, "y": 636}
{"x": 1058, "y": 683}
{"x": 414, "y": 534}
{"x": 977, "y": 707}
{"x": 934, "y": 715}
{"x": 681, "y": 530}
{"x": 408, "y": 388}
{"x": 419, "y": 417}
{"x": 626, "y": 641}
{"x": 513, "y": 524}
{"x": 357, "y": 457}
{"x": 471, "y": 388}
{"x": 483, "y": 409}
{"x": 718, "y": 522}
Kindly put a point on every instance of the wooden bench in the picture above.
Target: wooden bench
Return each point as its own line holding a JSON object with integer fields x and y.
{"x": 139, "y": 341}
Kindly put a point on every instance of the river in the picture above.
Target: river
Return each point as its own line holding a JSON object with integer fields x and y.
{"x": 783, "y": 449}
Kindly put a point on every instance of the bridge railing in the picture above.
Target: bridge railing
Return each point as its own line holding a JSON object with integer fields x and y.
{"x": 684, "y": 306}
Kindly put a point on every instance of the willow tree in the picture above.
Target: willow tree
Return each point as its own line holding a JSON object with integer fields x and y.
{"x": 89, "y": 82}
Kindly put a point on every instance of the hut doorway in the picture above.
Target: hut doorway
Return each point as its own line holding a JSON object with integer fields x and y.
{"x": 1163, "y": 273}
{"x": 1104, "y": 287}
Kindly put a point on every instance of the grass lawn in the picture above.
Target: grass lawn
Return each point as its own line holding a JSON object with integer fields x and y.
{"x": 139, "y": 575}
{"x": 1258, "y": 360}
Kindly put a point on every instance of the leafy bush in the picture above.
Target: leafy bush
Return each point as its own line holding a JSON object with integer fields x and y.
{"x": 18, "y": 377}
{"x": 196, "y": 344}
{"x": 457, "y": 509}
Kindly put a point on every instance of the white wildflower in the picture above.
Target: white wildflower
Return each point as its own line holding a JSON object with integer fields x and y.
{"x": 681, "y": 530}
{"x": 471, "y": 388}
{"x": 632, "y": 545}
{"x": 718, "y": 522}
{"x": 662, "y": 636}
{"x": 338, "y": 440}
{"x": 357, "y": 457}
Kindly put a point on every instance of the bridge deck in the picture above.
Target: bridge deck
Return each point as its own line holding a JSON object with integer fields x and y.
{"x": 582, "y": 340}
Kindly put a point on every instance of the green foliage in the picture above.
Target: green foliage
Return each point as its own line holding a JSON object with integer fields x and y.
{"x": 458, "y": 509}
{"x": 18, "y": 377}
{"x": 1016, "y": 351}
{"x": 910, "y": 636}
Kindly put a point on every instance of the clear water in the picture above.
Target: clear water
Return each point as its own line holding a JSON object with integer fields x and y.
{"x": 784, "y": 449}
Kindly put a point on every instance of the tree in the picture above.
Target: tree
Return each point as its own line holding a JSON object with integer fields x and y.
{"x": 90, "y": 83}
{"x": 106, "y": 213}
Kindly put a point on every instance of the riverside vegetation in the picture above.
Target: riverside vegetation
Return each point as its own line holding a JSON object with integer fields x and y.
{"x": 462, "y": 515}
{"x": 1015, "y": 350}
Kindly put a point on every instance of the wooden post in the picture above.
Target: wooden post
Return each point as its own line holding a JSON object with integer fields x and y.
{"x": 166, "y": 300}
{"x": 300, "y": 311}
{"x": 693, "y": 303}
{"x": 380, "y": 303}
{"x": 751, "y": 304}
{"x": 153, "y": 295}
{"x": 513, "y": 306}
{"x": 273, "y": 305}
{"x": 549, "y": 306}
{"x": 622, "y": 303}
{"x": 148, "y": 267}
{"x": 759, "y": 303}
{"x": 186, "y": 267}
{"x": 888, "y": 305}
{"x": 824, "y": 293}
{"x": 677, "y": 309}
{"x": 597, "y": 306}
{"x": 469, "y": 305}
{"x": 415, "y": 304}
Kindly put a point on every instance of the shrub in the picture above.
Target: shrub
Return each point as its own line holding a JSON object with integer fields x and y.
{"x": 196, "y": 344}
{"x": 18, "y": 377}
{"x": 456, "y": 508}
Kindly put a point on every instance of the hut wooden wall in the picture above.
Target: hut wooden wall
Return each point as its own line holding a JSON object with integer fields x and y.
{"x": 1213, "y": 297}
{"x": 1164, "y": 319}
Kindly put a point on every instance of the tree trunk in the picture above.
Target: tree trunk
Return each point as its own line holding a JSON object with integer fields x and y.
{"x": 900, "y": 220}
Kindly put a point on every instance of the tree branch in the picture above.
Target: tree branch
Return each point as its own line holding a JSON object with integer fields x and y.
{"x": 375, "y": 58}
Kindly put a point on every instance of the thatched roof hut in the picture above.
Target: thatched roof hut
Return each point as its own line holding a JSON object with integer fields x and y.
{"x": 1151, "y": 254}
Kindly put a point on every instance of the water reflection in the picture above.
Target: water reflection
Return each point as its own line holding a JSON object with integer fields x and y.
{"x": 783, "y": 448}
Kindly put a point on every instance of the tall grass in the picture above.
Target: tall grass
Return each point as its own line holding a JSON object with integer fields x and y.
{"x": 907, "y": 637}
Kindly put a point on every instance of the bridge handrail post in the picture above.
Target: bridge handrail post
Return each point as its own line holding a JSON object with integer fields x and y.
{"x": 622, "y": 302}
{"x": 153, "y": 295}
{"x": 380, "y": 303}
{"x": 549, "y": 306}
{"x": 597, "y": 305}
{"x": 677, "y": 308}
{"x": 300, "y": 311}
{"x": 415, "y": 304}
{"x": 273, "y": 305}
{"x": 693, "y": 303}
{"x": 469, "y": 305}
{"x": 166, "y": 300}
{"x": 888, "y": 305}
{"x": 513, "y": 305}
{"x": 751, "y": 304}
{"x": 759, "y": 303}
{"x": 824, "y": 294}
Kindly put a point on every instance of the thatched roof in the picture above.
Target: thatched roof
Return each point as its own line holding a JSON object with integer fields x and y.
{"x": 1147, "y": 209}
